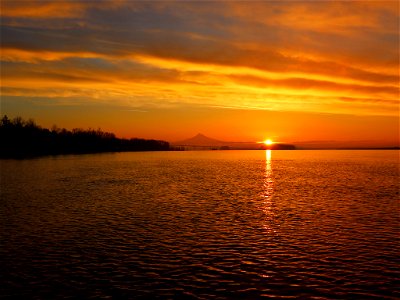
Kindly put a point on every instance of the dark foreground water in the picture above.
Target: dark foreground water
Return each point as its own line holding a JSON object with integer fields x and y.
{"x": 202, "y": 225}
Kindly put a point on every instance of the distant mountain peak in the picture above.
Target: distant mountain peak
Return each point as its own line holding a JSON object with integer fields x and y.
{"x": 200, "y": 140}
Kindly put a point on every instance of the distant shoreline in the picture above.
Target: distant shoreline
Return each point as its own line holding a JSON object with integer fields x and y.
{"x": 20, "y": 139}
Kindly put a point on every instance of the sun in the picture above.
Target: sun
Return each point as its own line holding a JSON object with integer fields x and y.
{"x": 268, "y": 142}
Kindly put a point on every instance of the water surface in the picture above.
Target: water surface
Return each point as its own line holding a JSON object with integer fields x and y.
{"x": 202, "y": 225}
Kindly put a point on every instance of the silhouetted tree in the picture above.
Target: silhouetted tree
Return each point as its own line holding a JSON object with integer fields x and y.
{"x": 21, "y": 138}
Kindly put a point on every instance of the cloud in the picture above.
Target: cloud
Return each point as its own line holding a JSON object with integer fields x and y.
{"x": 316, "y": 85}
{"x": 317, "y": 56}
{"x": 41, "y": 9}
{"x": 60, "y": 9}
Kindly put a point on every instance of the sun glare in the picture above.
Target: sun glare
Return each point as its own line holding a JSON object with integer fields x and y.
{"x": 268, "y": 142}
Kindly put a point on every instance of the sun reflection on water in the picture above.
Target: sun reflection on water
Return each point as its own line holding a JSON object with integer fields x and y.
{"x": 268, "y": 191}
{"x": 269, "y": 181}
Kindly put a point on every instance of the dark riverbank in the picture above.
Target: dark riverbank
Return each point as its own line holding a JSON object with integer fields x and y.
{"x": 24, "y": 139}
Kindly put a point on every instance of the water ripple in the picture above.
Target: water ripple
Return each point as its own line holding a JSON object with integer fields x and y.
{"x": 202, "y": 225}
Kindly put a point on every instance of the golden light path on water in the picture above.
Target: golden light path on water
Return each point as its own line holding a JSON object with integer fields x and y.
{"x": 268, "y": 191}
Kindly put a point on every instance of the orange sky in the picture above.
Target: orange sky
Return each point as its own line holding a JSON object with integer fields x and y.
{"x": 233, "y": 70}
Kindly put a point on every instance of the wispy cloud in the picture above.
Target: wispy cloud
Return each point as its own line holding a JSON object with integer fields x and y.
{"x": 315, "y": 56}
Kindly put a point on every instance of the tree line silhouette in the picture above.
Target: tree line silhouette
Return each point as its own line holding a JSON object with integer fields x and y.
{"x": 20, "y": 138}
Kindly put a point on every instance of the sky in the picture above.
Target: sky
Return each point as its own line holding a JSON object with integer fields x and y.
{"x": 291, "y": 71}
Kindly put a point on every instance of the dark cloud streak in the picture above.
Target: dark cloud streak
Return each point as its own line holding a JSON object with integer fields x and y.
{"x": 339, "y": 47}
